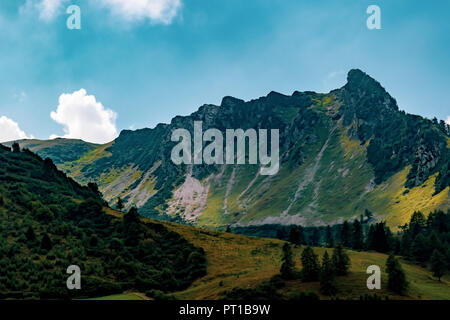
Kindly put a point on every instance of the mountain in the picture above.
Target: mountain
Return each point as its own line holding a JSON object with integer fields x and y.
{"x": 49, "y": 222}
{"x": 59, "y": 150}
{"x": 341, "y": 153}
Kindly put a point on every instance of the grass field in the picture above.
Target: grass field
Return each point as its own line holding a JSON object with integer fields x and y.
{"x": 240, "y": 261}
{"x": 245, "y": 262}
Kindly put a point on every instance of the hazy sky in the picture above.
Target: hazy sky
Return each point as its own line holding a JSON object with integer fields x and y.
{"x": 136, "y": 63}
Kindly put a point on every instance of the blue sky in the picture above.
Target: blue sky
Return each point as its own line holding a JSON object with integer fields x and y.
{"x": 140, "y": 65}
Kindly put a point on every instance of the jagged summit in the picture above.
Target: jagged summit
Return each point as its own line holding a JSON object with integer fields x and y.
{"x": 229, "y": 101}
{"x": 340, "y": 153}
{"x": 362, "y": 86}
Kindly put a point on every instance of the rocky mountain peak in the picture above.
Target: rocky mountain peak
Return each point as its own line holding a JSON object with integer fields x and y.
{"x": 229, "y": 101}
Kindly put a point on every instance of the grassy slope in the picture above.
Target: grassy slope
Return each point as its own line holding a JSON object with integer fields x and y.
{"x": 239, "y": 261}
{"x": 245, "y": 262}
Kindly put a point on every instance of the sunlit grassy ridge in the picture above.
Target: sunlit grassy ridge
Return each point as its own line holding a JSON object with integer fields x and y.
{"x": 396, "y": 204}
{"x": 245, "y": 262}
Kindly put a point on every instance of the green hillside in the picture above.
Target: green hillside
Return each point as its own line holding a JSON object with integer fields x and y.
{"x": 49, "y": 222}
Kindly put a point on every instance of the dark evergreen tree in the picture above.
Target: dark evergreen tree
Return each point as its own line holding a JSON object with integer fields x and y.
{"x": 46, "y": 243}
{"x": 287, "y": 266}
{"x": 341, "y": 260}
{"x": 310, "y": 265}
{"x": 417, "y": 223}
{"x": 329, "y": 238}
{"x": 119, "y": 204}
{"x": 294, "y": 236}
{"x": 405, "y": 245}
{"x": 358, "y": 238}
{"x": 15, "y": 147}
{"x": 301, "y": 236}
{"x": 328, "y": 284}
{"x": 346, "y": 235}
{"x": 433, "y": 242}
{"x": 282, "y": 234}
{"x": 369, "y": 215}
{"x": 419, "y": 249}
{"x": 396, "y": 276}
{"x": 31, "y": 236}
{"x": 93, "y": 187}
{"x": 380, "y": 240}
{"x": 370, "y": 240}
{"x": 438, "y": 264}
{"x": 131, "y": 216}
{"x": 447, "y": 257}
{"x": 315, "y": 238}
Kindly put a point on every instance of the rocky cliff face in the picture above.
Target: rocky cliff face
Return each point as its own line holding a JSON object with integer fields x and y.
{"x": 340, "y": 153}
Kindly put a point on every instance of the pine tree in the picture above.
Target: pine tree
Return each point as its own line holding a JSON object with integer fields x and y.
{"x": 369, "y": 215}
{"x": 417, "y": 223}
{"x": 358, "y": 241}
{"x": 341, "y": 261}
{"x": 287, "y": 267}
{"x": 15, "y": 147}
{"x": 396, "y": 276}
{"x": 447, "y": 257}
{"x": 438, "y": 264}
{"x": 329, "y": 238}
{"x": 346, "y": 235}
{"x": 294, "y": 236}
{"x": 434, "y": 243}
{"x": 315, "y": 238}
{"x": 131, "y": 216}
{"x": 301, "y": 236}
{"x": 46, "y": 243}
{"x": 119, "y": 204}
{"x": 281, "y": 233}
{"x": 310, "y": 264}
{"x": 405, "y": 245}
{"x": 380, "y": 240}
{"x": 327, "y": 277}
{"x": 419, "y": 249}
{"x": 370, "y": 241}
{"x": 31, "y": 236}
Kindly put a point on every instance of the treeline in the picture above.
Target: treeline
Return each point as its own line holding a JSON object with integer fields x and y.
{"x": 425, "y": 241}
{"x": 48, "y": 222}
{"x": 350, "y": 234}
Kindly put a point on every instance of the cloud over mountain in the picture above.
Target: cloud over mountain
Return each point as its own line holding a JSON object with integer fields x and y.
{"x": 83, "y": 117}
{"x": 10, "y": 130}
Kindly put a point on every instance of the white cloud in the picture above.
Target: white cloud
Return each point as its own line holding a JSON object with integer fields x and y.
{"x": 85, "y": 118}
{"x": 48, "y": 9}
{"x": 157, "y": 11}
{"x": 448, "y": 120}
{"x": 10, "y": 130}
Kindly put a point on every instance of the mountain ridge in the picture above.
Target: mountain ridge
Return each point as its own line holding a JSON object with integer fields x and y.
{"x": 351, "y": 143}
